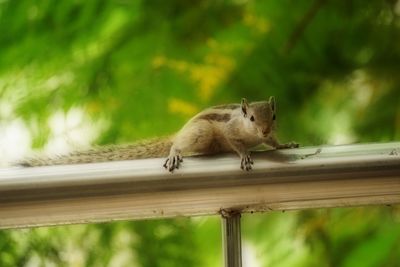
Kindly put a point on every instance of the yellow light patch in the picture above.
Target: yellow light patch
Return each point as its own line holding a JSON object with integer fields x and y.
{"x": 158, "y": 62}
{"x": 261, "y": 25}
{"x": 178, "y": 65}
{"x": 206, "y": 76}
{"x": 182, "y": 107}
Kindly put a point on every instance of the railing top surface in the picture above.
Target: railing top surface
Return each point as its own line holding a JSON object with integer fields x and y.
{"x": 288, "y": 161}
{"x": 293, "y": 178}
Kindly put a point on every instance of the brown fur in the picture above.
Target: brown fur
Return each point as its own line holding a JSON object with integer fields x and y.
{"x": 226, "y": 128}
{"x": 229, "y": 106}
{"x": 224, "y": 117}
{"x": 143, "y": 149}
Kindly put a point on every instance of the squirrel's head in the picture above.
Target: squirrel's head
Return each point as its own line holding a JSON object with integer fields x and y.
{"x": 259, "y": 117}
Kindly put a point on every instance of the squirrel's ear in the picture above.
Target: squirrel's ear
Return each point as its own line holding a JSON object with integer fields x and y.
{"x": 271, "y": 101}
{"x": 245, "y": 106}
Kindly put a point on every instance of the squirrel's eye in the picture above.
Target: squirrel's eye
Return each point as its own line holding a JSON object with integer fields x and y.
{"x": 252, "y": 118}
{"x": 273, "y": 117}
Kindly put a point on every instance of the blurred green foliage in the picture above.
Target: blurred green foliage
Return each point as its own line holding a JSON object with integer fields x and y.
{"x": 138, "y": 69}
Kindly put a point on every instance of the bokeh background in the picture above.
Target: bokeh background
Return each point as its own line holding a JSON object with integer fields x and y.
{"x": 76, "y": 73}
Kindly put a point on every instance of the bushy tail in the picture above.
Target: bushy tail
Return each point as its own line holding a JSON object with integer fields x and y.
{"x": 152, "y": 148}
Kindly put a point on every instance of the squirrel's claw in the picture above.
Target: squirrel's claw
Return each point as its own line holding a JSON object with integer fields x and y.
{"x": 246, "y": 163}
{"x": 173, "y": 162}
{"x": 288, "y": 145}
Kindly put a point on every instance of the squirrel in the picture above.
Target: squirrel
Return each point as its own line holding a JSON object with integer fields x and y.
{"x": 219, "y": 129}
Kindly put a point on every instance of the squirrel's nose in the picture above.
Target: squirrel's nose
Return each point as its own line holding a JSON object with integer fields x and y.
{"x": 265, "y": 131}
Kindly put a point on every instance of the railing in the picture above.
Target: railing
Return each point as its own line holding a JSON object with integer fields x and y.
{"x": 330, "y": 176}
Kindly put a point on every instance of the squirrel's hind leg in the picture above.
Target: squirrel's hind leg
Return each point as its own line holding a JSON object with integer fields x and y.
{"x": 193, "y": 138}
{"x": 173, "y": 161}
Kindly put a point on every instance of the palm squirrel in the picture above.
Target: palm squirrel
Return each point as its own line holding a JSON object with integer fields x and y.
{"x": 225, "y": 128}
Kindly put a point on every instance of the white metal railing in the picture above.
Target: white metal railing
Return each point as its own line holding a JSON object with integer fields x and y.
{"x": 311, "y": 177}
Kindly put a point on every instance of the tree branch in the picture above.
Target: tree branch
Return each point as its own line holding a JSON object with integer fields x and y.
{"x": 302, "y": 25}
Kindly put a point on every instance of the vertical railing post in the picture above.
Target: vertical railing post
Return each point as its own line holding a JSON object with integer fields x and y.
{"x": 231, "y": 236}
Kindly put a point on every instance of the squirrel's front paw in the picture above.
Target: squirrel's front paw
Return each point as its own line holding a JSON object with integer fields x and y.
{"x": 173, "y": 162}
{"x": 288, "y": 145}
{"x": 246, "y": 163}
